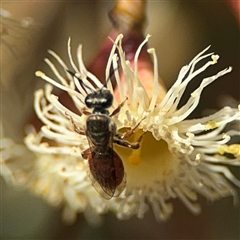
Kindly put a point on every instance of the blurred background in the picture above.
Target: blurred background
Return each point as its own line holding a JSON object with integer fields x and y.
{"x": 180, "y": 30}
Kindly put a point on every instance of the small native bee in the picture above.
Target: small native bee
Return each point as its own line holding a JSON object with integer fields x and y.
{"x": 106, "y": 167}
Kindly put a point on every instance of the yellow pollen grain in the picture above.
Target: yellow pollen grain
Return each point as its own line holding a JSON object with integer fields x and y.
{"x": 232, "y": 149}
{"x": 211, "y": 125}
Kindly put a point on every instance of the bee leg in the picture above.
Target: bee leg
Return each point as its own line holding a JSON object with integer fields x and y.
{"x": 131, "y": 131}
{"x": 86, "y": 153}
{"x": 85, "y": 112}
{"x": 75, "y": 127}
{"x": 125, "y": 143}
{"x": 117, "y": 110}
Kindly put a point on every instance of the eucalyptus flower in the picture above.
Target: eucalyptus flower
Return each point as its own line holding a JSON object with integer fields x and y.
{"x": 177, "y": 158}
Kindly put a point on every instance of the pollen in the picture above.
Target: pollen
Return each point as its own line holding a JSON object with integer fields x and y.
{"x": 211, "y": 125}
{"x": 233, "y": 149}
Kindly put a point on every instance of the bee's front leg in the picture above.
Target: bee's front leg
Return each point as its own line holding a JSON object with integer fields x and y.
{"x": 125, "y": 143}
{"x": 129, "y": 132}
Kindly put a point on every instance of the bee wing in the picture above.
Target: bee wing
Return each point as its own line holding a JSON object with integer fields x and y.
{"x": 106, "y": 171}
{"x": 105, "y": 192}
{"x": 103, "y": 188}
{"x": 117, "y": 161}
{"x": 119, "y": 189}
{"x": 88, "y": 152}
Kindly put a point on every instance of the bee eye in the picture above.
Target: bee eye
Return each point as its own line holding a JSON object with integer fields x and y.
{"x": 108, "y": 99}
{"x": 89, "y": 101}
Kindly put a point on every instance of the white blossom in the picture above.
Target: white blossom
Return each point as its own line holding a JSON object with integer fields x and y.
{"x": 178, "y": 157}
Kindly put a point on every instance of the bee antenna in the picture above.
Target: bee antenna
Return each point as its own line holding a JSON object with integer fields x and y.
{"x": 80, "y": 80}
{"x": 109, "y": 78}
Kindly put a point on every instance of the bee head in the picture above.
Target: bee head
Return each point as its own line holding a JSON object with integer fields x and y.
{"x": 99, "y": 100}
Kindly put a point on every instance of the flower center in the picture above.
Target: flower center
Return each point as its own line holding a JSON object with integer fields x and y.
{"x": 150, "y": 163}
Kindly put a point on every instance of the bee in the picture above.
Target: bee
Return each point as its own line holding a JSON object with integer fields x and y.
{"x": 106, "y": 168}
